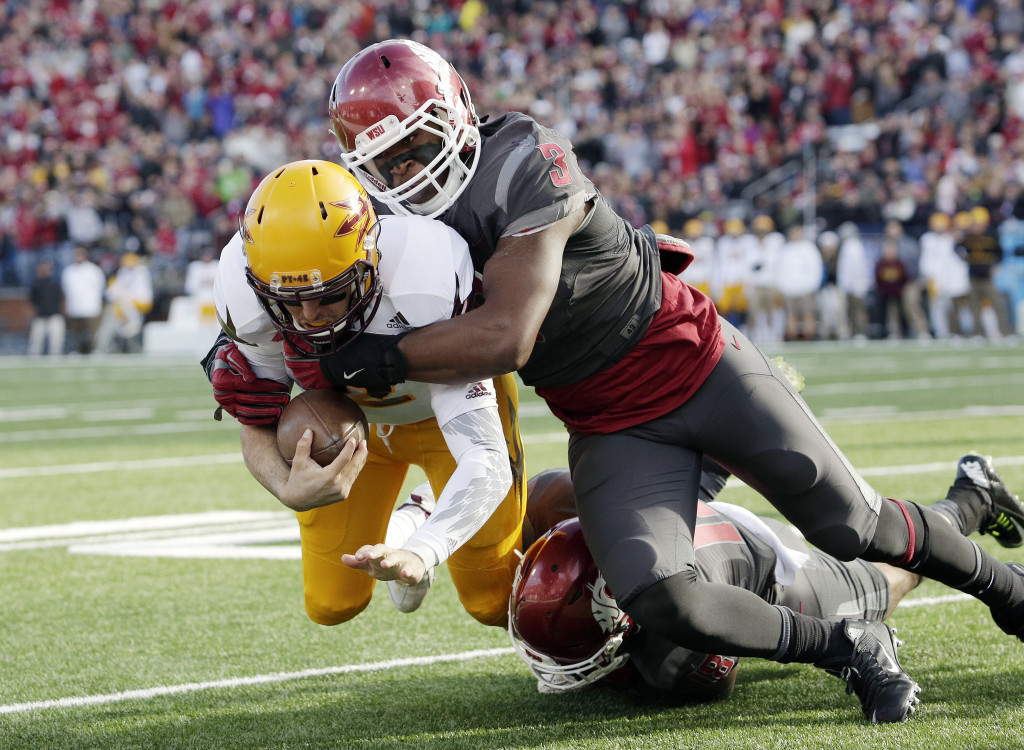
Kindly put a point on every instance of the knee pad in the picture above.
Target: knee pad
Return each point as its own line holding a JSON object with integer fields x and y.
{"x": 484, "y": 592}
{"x": 841, "y": 541}
{"x": 333, "y": 613}
{"x": 668, "y": 607}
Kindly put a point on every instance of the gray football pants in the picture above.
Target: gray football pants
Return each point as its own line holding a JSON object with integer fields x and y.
{"x": 637, "y": 488}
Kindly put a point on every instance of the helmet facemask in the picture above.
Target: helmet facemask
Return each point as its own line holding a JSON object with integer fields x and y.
{"x": 447, "y": 172}
{"x": 360, "y": 282}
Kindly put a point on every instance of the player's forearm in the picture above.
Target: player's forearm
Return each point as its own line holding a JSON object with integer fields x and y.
{"x": 262, "y": 458}
{"x": 464, "y": 349}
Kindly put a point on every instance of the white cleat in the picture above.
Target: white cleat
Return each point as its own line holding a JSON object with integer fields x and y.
{"x": 409, "y": 516}
{"x": 408, "y": 598}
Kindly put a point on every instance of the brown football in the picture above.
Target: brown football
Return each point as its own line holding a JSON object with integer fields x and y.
{"x": 333, "y": 417}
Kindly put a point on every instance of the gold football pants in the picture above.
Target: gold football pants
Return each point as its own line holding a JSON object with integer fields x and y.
{"x": 482, "y": 569}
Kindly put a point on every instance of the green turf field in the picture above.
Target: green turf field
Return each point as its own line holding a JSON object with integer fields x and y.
{"x": 150, "y": 594}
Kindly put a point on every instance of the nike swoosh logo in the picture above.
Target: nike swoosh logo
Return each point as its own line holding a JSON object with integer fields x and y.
{"x": 350, "y": 375}
{"x": 735, "y": 342}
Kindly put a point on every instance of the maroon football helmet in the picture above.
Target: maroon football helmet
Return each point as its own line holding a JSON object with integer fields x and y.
{"x": 563, "y": 620}
{"x": 393, "y": 90}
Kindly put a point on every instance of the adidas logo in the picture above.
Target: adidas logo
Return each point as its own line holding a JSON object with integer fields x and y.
{"x": 974, "y": 471}
{"x": 478, "y": 390}
{"x": 399, "y": 321}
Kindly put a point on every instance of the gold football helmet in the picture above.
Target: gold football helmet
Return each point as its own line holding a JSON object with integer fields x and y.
{"x": 310, "y": 233}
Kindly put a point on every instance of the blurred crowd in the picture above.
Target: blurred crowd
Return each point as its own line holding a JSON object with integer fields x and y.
{"x": 138, "y": 128}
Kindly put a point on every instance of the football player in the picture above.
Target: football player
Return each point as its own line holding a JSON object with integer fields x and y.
{"x": 565, "y": 624}
{"x": 309, "y": 271}
{"x": 643, "y": 372}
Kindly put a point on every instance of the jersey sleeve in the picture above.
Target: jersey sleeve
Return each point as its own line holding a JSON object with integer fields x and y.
{"x": 528, "y": 179}
{"x": 243, "y": 318}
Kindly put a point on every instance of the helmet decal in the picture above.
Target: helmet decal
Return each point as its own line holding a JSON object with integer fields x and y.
{"x": 606, "y": 611}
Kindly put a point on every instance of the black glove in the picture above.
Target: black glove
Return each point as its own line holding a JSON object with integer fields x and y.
{"x": 372, "y": 362}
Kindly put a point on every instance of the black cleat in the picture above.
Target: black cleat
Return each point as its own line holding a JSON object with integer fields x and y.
{"x": 887, "y": 694}
{"x": 1011, "y": 619}
{"x": 1005, "y": 517}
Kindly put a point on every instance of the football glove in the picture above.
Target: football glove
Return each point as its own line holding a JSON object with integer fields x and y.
{"x": 675, "y": 254}
{"x": 304, "y": 367}
{"x": 372, "y": 362}
{"x": 247, "y": 398}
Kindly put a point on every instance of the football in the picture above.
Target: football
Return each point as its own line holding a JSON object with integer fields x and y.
{"x": 333, "y": 417}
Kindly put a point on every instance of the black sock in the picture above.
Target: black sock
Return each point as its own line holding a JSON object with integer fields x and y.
{"x": 811, "y": 640}
{"x": 966, "y": 505}
{"x": 994, "y": 583}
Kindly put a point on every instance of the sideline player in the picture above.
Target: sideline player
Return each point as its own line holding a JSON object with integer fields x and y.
{"x": 307, "y": 272}
{"x": 640, "y": 368}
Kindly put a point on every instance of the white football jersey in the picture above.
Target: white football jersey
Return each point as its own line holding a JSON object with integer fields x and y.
{"x": 427, "y": 276}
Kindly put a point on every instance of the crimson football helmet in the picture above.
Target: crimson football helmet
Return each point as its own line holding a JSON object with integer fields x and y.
{"x": 386, "y": 95}
{"x": 310, "y": 233}
{"x": 563, "y": 620}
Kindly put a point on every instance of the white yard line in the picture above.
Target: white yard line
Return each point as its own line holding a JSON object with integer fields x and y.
{"x": 172, "y": 462}
{"x": 236, "y": 682}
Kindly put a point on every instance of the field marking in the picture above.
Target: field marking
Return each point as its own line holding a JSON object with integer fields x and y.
{"x": 178, "y": 462}
{"x": 188, "y": 423}
{"x": 927, "y": 601}
{"x": 235, "y": 682}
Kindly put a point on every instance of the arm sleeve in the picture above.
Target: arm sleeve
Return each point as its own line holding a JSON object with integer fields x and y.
{"x": 476, "y": 488}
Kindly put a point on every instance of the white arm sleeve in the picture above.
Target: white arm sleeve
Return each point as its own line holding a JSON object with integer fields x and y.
{"x": 475, "y": 490}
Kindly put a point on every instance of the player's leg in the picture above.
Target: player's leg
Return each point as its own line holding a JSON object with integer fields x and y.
{"x": 484, "y": 568}
{"x": 637, "y": 501}
{"x": 901, "y": 582}
{"x": 772, "y": 442}
{"x": 335, "y": 592}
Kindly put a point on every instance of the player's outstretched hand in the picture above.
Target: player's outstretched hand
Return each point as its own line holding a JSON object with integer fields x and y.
{"x": 387, "y": 563}
{"x": 310, "y": 485}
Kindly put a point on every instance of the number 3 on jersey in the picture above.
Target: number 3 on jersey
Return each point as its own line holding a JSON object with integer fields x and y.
{"x": 560, "y": 174}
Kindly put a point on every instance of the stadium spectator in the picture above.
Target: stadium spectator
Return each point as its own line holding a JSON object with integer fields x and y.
{"x": 833, "y": 320}
{"x": 46, "y": 331}
{"x": 855, "y": 277}
{"x": 199, "y": 281}
{"x": 767, "y": 315}
{"x": 731, "y": 270}
{"x": 912, "y": 294}
{"x": 129, "y": 297}
{"x": 108, "y": 99}
{"x": 698, "y": 273}
{"x": 83, "y": 283}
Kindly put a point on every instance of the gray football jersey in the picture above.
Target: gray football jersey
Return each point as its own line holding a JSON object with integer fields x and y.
{"x": 610, "y": 283}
